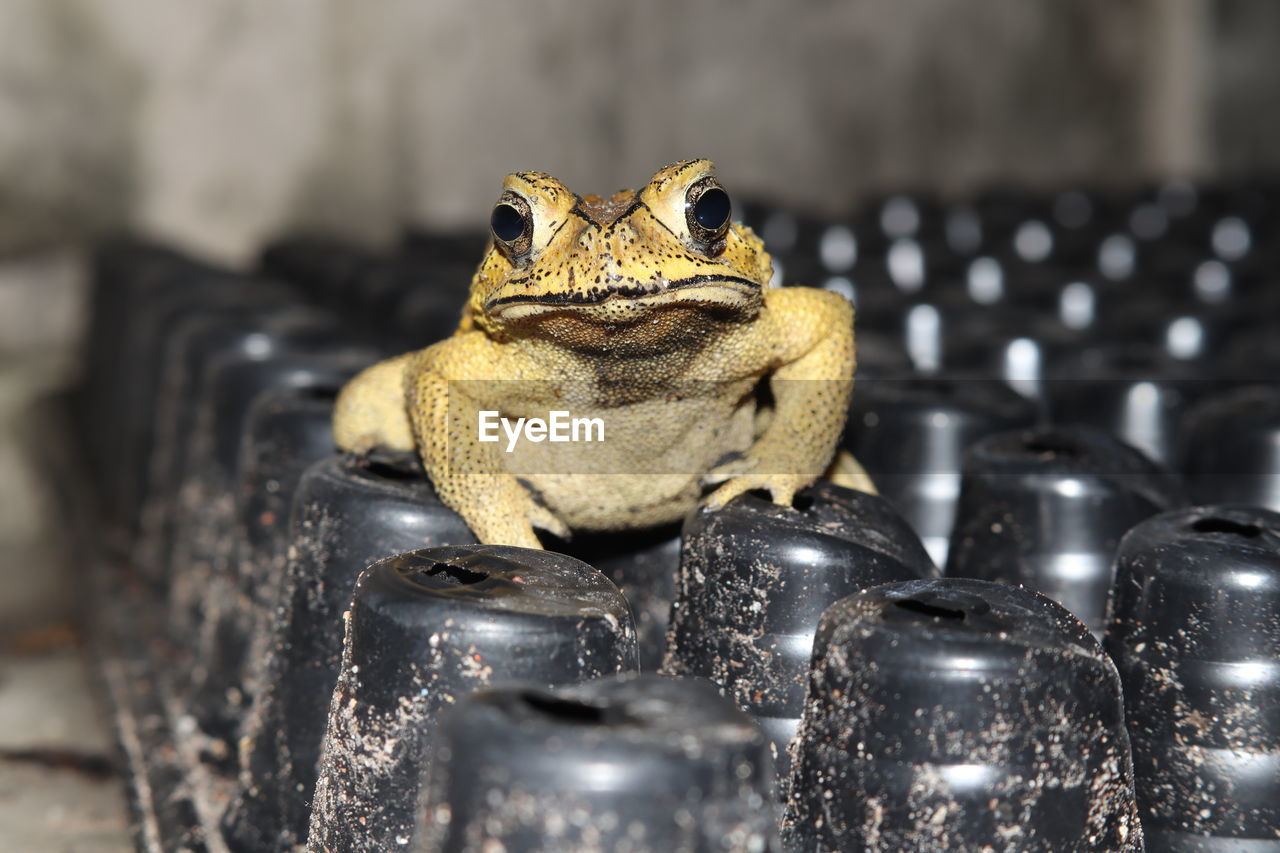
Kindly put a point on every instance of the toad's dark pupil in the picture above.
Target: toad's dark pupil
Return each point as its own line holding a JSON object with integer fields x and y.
{"x": 712, "y": 209}
{"x": 507, "y": 223}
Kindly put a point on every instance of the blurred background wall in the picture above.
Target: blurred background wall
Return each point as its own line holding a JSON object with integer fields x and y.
{"x": 218, "y": 122}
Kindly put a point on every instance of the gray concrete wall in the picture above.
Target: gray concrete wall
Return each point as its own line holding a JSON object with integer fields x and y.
{"x": 218, "y": 122}
{"x": 1243, "y": 92}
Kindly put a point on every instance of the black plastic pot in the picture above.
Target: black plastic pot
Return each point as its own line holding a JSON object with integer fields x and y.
{"x": 1232, "y": 452}
{"x": 911, "y": 434}
{"x": 1137, "y": 392}
{"x": 325, "y": 269}
{"x": 647, "y": 764}
{"x": 446, "y": 246}
{"x": 163, "y": 294}
{"x": 286, "y": 429}
{"x": 1164, "y": 316}
{"x": 958, "y": 714}
{"x": 754, "y": 580}
{"x": 346, "y": 514}
{"x": 427, "y": 628}
{"x": 1195, "y": 632}
{"x": 1046, "y": 509}
{"x": 203, "y": 592}
{"x": 238, "y": 333}
{"x": 127, "y": 273}
{"x": 1016, "y": 350}
{"x": 401, "y": 302}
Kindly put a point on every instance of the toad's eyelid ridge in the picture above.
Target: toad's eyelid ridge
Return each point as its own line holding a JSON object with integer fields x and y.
{"x": 502, "y": 224}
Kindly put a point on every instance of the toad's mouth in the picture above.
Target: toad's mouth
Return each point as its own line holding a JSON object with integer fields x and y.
{"x": 717, "y": 289}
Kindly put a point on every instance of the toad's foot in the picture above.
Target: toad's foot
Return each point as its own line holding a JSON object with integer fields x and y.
{"x": 757, "y": 471}
{"x": 510, "y": 513}
{"x": 749, "y": 473}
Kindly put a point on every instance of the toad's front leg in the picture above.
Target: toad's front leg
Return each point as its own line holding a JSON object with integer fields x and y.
{"x": 420, "y": 401}
{"x": 370, "y": 410}
{"x": 804, "y": 339}
{"x": 442, "y": 383}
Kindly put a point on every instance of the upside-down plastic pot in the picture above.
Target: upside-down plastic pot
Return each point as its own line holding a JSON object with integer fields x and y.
{"x": 120, "y": 270}
{"x": 447, "y": 247}
{"x": 242, "y": 332}
{"x": 1017, "y": 350}
{"x": 346, "y": 514}
{"x": 402, "y": 302}
{"x": 929, "y": 324}
{"x": 324, "y": 268}
{"x": 1046, "y": 508}
{"x": 1232, "y": 452}
{"x": 425, "y": 301}
{"x": 646, "y": 764}
{"x": 911, "y": 434}
{"x": 1195, "y": 632}
{"x": 1137, "y": 392}
{"x": 286, "y": 431}
{"x": 427, "y": 628}
{"x": 287, "y": 428}
{"x": 959, "y": 714}
{"x": 754, "y": 579}
{"x": 1253, "y": 357}
{"x": 880, "y": 356}
{"x": 128, "y": 274}
{"x": 203, "y": 594}
{"x": 1176, "y": 326}
{"x": 132, "y": 410}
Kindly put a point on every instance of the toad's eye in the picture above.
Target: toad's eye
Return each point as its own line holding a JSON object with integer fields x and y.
{"x": 707, "y": 210}
{"x": 512, "y": 225}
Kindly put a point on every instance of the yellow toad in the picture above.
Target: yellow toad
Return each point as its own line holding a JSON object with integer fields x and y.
{"x": 648, "y": 314}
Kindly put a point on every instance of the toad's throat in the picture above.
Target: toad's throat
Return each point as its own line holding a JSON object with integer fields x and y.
{"x": 621, "y": 290}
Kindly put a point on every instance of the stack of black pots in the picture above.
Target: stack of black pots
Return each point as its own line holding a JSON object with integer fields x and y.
{"x": 1056, "y": 627}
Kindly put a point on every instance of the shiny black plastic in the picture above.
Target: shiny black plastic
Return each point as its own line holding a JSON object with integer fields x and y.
{"x": 128, "y": 395}
{"x": 285, "y": 431}
{"x": 910, "y": 435}
{"x": 643, "y": 565}
{"x": 1137, "y": 392}
{"x": 647, "y": 765}
{"x": 129, "y": 277}
{"x": 240, "y": 333}
{"x": 327, "y": 270}
{"x": 1046, "y": 509}
{"x": 427, "y": 628}
{"x": 958, "y": 714}
{"x": 1195, "y": 632}
{"x": 402, "y": 302}
{"x": 346, "y": 514}
{"x": 1232, "y": 452}
{"x": 203, "y": 589}
{"x": 754, "y": 580}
